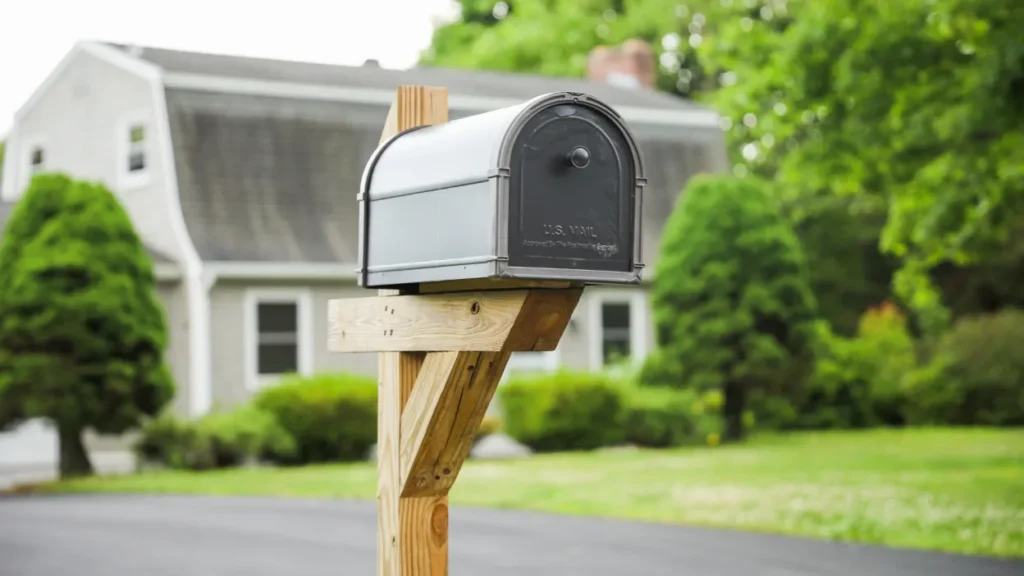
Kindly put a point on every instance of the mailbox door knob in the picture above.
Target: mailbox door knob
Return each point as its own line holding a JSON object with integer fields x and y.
{"x": 579, "y": 157}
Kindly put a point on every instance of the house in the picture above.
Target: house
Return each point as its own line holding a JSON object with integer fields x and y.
{"x": 240, "y": 175}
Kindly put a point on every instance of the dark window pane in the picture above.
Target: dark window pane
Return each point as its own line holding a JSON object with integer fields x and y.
{"x": 136, "y": 161}
{"x": 278, "y": 358}
{"x": 278, "y": 317}
{"x": 615, "y": 315}
{"x": 615, "y": 332}
{"x": 37, "y": 156}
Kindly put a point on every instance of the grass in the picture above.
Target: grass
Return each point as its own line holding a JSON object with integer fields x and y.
{"x": 952, "y": 490}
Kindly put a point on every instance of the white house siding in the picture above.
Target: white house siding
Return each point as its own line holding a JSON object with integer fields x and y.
{"x": 79, "y": 119}
{"x": 173, "y": 297}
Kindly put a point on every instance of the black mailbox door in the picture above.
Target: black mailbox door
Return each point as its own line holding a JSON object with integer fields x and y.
{"x": 571, "y": 191}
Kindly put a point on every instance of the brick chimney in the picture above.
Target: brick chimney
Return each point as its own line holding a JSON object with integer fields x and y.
{"x": 630, "y": 65}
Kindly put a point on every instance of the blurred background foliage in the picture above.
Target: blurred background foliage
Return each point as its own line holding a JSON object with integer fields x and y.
{"x": 895, "y": 127}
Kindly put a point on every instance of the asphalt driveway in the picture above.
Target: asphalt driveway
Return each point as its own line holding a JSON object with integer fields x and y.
{"x": 199, "y": 536}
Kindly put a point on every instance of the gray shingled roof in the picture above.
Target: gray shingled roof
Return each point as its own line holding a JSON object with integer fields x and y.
{"x": 268, "y": 180}
{"x": 462, "y": 82}
{"x": 274, "y": 179}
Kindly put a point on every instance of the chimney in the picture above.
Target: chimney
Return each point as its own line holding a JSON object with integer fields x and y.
{"x": 371, "y": 63}
{"x": 630, "y": 65}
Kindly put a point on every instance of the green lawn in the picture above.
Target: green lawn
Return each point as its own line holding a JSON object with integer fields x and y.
{"x": 954, "y": 490}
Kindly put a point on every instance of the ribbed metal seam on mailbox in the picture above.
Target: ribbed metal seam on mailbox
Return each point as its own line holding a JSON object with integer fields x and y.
{"x": 549, "y": 189}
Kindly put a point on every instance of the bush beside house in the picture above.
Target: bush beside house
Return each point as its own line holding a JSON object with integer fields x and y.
{"x": 323, "y": 418}
{"x": 565, "y": 410}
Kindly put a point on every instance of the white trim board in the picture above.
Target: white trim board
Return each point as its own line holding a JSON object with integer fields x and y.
{"x": 25, "y": 145}
{"x": 7, "y": 185}
{"x": 200, "y": 365}
{"x": 257, "y": 87}
{"x": 303, "y": 299}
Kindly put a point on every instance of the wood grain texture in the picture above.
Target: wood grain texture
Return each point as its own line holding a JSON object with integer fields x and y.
{"x": 467, "y": 321}
{"x": 412, "y": 539}
{"x": 454, "y": 389}
{"x": 415, "y": 106}
{"x": 445, "y": 410}
{"x": 425, "y": 520}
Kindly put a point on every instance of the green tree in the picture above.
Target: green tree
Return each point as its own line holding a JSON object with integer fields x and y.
{"x": 917, "y": 106}
{"x": 555, "y": 37}
{"x": 732, "y": 307}
{"x": 82, "y": 335}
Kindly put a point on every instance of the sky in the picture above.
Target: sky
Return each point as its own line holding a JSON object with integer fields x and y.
{"x": 38, "y": 34}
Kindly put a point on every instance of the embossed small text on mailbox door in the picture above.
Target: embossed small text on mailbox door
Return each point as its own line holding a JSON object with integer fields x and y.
{"x": 578, "y": 231}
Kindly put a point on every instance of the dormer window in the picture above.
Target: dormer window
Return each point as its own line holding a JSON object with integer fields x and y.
{"x": 136, "y": 148}
{"x": 134, "y": 152}
{"x": 36, "y": 160}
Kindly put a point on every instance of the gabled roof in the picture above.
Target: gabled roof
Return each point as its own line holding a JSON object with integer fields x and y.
{"x": 196, "y": 69}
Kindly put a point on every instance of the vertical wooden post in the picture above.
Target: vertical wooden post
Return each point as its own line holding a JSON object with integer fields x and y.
{"x": 412, "y": 532}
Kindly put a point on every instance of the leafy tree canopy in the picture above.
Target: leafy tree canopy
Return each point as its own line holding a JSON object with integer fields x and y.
{"x": 907, "y": 110}
{"x": 915, "y": 103}
{"x": 731, "y": 302}
{"x": 82, "y": 335}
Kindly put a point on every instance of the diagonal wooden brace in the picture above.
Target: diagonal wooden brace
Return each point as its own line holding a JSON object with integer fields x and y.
{"x": 454, "y": 389}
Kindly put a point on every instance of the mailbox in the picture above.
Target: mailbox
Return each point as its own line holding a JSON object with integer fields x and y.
{"x": 550, "y": 189}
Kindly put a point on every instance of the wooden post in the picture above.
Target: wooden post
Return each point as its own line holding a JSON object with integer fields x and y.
{"x": 411, "y": 529}
{"x": 442, "y": 352}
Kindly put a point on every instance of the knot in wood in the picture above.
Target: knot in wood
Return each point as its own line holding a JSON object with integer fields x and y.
{"x": 474, "y": 308}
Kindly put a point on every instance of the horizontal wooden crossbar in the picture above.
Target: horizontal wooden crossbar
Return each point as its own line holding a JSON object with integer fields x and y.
{"x": 465, "y": 321}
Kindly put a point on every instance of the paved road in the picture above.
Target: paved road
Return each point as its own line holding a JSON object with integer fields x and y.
{"x": 185, "y": 536}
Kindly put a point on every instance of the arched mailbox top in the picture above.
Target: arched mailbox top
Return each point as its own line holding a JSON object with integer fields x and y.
{"x": 548, "y": 189}
{"x": 474, "y": 148}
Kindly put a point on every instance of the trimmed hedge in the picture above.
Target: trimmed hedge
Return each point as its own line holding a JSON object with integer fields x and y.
{"x": 246, "y": 433}
{"x": 564, "y": 411}
{"x": 218, "y": 440}
{"x": 332, "y": 417}
{"x": 666, "y": 417}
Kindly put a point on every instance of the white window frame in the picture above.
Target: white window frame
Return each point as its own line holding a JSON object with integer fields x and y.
{"x": 303, "y": 299}
{"x": 637, "y": 301}
{"x": 126, "y": 179}
{"x": 25, "y": 148}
